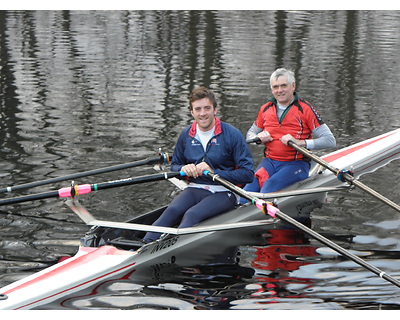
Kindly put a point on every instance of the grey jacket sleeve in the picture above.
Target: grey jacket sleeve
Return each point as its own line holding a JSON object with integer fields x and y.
{"x": 253, "y": 131}
{"x": 322, "y": 138}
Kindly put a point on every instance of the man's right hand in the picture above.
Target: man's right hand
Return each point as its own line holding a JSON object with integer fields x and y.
{"x": 265, "y": 136}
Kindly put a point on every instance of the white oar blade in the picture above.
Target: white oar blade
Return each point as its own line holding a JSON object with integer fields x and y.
{"x": 80, "y": 210}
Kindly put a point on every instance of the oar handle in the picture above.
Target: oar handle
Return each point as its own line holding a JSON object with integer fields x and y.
{"x": 253, "y": 140}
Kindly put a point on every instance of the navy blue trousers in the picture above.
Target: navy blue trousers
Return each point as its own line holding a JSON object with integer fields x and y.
{"x": 272, "y": 175}
{"x": 192, "y": 206}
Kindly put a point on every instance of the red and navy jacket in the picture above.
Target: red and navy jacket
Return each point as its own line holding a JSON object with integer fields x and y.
{"x": 299, "y": 119}
{"x": 227, "y": 154}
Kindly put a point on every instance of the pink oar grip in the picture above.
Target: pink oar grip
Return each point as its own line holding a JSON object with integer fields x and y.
{"x": 80, "y": 189}
{"x": 271, "y": 210}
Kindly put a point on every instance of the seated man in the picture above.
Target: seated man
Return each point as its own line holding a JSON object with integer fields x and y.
{"x": 206, "y": 144}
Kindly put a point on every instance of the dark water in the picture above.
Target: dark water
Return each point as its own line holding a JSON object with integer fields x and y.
{"x": 88, "y": 89}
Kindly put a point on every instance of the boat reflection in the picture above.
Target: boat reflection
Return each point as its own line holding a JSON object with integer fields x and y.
{"x": 288, "y": 250}
{"x": 250, "y": 263}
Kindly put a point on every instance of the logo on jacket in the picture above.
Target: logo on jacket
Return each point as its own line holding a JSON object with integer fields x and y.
{"x": 195, "y": 142}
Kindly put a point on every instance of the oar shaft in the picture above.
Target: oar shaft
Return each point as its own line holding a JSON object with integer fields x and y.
{"x": 337, "y": 248}
{"x": 161, "y": 159}
{"x": 310, "y": 155}
{"x": 347, "y": 177}
{"x": 130, "y": 181}
{"x": 253, "y": 140}
{"x": 376, "y": 195}
{"x": 267, "y": 208}
{"x": 87, "y": 188}
{"x": 31, "y": 197}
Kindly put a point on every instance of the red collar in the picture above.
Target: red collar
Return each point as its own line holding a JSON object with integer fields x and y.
{"x": 217, "y": 128}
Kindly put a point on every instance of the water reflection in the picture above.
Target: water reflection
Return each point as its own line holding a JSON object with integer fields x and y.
{"x": 89, "y": 89}
{"x": 211, "y": 277}
{"x": 285, "y": 270}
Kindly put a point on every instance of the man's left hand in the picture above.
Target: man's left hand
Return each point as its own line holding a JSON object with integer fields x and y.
{"x": 288, "y": 137}
{"x": 201, "y": 167}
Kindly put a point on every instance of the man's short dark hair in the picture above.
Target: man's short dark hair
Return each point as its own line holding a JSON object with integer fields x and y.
{"x": 201, "y": 93}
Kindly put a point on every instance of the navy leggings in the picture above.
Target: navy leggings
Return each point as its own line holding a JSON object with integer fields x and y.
{"x": 276, "y": 175}
{"x": 192, "y": 206}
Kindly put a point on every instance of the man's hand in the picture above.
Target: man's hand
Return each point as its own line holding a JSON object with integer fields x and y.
{"x": 190, "y": 170}
{"x": 286, "y": 138}
{"x": 196, "y": 170}
{"x": 265, "y": 137}
{"x": 201, "y": 167}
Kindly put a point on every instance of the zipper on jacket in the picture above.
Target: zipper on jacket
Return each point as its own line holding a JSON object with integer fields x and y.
{"x": 284, "y": 113}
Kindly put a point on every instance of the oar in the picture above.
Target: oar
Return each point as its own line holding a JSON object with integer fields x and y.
{"x": 87, "y": 188}
{"x": 254, "y": 140}
{"x": 163, "y": 158}
{"x": 345, "y": 176}
{"x": 269, "y": 209}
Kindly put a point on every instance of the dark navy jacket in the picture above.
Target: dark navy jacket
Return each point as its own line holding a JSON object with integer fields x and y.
{"x": 227, "y": 154}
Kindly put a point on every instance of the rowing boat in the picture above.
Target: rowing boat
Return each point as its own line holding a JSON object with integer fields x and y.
{"x": 108, "y": 252}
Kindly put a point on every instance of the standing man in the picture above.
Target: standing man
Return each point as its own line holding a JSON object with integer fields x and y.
{"x": 206, "y": 144}
{"x": 283, "y": 118}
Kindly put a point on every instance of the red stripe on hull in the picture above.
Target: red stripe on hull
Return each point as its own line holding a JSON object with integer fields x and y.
{"x": 93, "y": 254}
{"x": 346, "y": 152}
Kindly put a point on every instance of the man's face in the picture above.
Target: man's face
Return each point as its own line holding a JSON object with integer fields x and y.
{"x": 204, "y": 112}
{"x": 282, "y": 90}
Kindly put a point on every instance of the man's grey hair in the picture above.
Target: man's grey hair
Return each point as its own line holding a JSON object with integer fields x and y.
{"x": 282, "y": 72}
